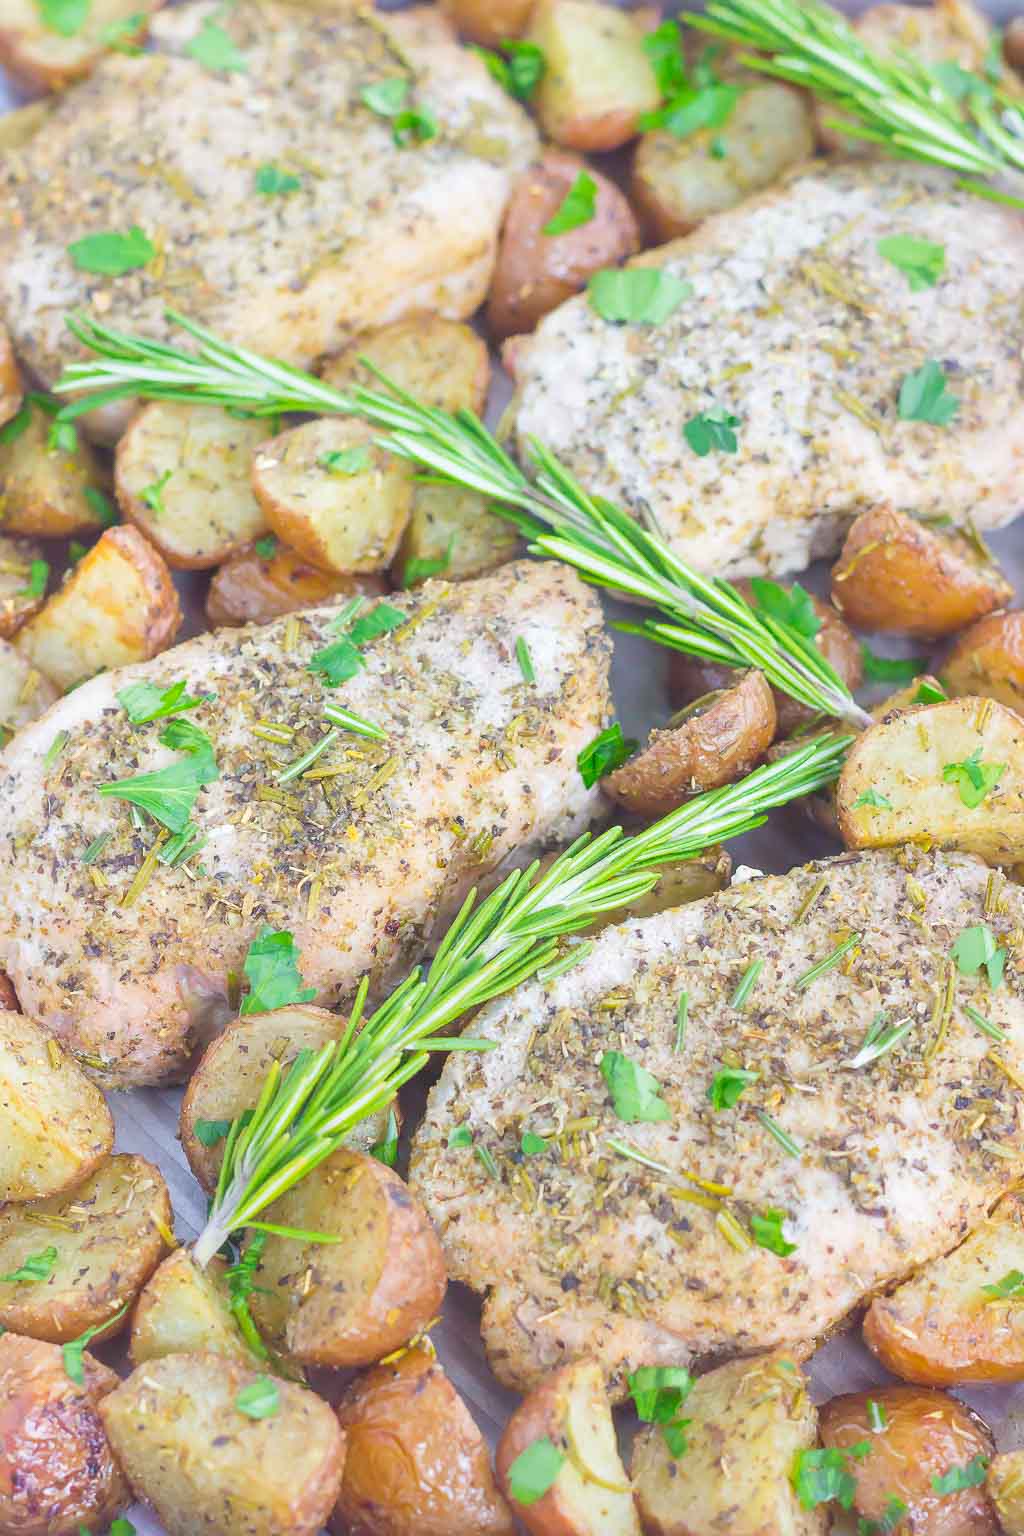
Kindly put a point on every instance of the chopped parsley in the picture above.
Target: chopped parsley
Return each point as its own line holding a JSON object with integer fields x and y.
{"x": 272, "y": 968}
{"x": 728, "y": 1086}
{"x": 976, "y": 947}
{"x": 209, "y": 1132}
{"x": 119, "y": 36}
{"x": 712, "y": 429}
{"x": 664, "y": 50}
{"x": 271, "y": 181}
{"x": 604, "y": 754}
{"x": 346, "y": 461}
{"x": 213, "y": 49}
{"x": 169, "y": 794}
{"x": 635, "y": 1092}
{"x": 532, "y": 1145}
{"x": 872, "y": 798}
{"x": 766, "y": 1230}
{"x": 520, "y": 71}
{"x": 460, "y": 1136}
{"x": 387, "y": 98}
{"x": 112, "y": 254}
{"x": 793, "y": 607}
{"x": 893, "y": 1514}
{"x": 891, "y": 669}
{"x": 973, "y": 778}
{"x": 878, "y": 1419}
{"x": 62, "y": 437}
{"x": 386, "y": 1150}
{"x": 379, "y": 621}
{"x": 145, "y": 702}
{"x": 689, "y": 103}
{"x": 38, "y": 1266}
{"x": 38, "y": 576}
{"x": 1012, "y": 1284}
{"x": 152, "y": 495}
{"x": 266, "y": 547}
{"x": 658, "y": 1393}
{"x": 534, "y": 1471}
{"x": 101, "y": 505}
{"x": 929, "y": 693}
{"x": 261, "y": 1399}
{"x": 924, "y": 396}
{"x": 336, "y": 663}
{"x": 819, "y": 1476}
{"x": 970, "y": 1475}
{"x": 577, "y": 207}
{"x": 13, "y": 429}
{"x": 922, "y": 262}
{"x": 74, "y": 1350}
{"x": 422, "y": 567}
{"x": 636, "y": 295}
{"x": 525, "y": 661}
{"x": 65, "y": 17}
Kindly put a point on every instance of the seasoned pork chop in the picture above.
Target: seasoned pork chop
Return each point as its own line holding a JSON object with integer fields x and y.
{"x": 372, "y": 231}
{"x": 360, "y": 864}
{"x": 584, "y": 1251}
{"x": 802, "y": 330}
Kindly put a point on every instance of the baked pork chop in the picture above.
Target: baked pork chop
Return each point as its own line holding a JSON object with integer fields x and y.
{"x": 583, "y": 1249}
{"x": 360, "y": 859}
{"x": 280, "y": 208}
{"x": 801, "y": 329}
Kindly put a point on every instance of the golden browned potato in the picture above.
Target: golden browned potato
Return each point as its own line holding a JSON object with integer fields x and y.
{"x": 558, "y": 1462}
{"x": 44, "y": 58}
{"x": 713, "y": 741}
{"x": 1013, "y": 44}
{"x": 676, "y": 183}
{"x": 441, "y": 362}
{"x": 215, "y": 1446}
{"x": 118, "y": 605}
{"x": 17, "y": 127}
{"x": 952, "y": 773}
{"x": 927, "y": 1435}
{"x": 987, "y": 660}
{"x": 230, "y": 1075}
{"x": 186, "y": 1310}
{"x": 1005, "y": 1484}
{"x": 416, "y": 1464}
{"x": 748, "y": 1421}
{"x": 334, "y": 496}
{"x": 46, "y": 491}
{"x": 22, "y": 583}
{"x": 959, "y": 1319}
{"x": 898, "y": 575}
{"x": 25, "y": 694}
{"x": 10, "y": 378}
{"x": 56, "y": 1125}
{"x": 452, "y": 533}
{"x": 8, "y": 997}
{"x": 182, "y": 475}
{"x": 535, "y": 272}
{"x": 57, "y": 1472}
{"x": 489, "y": 22}
{"x": 348, "y": 1303}
{"x": 598, "y": 80}
{"x": 267, "y": 579}
{"x": 108, "y": 1234}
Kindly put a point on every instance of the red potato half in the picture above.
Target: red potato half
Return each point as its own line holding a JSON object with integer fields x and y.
{"x": 186, "y": 1310}
{"x": 598, "y": 79}
{"x": 266, "y": 580}
{"x": 10, "y": 378}
{"x": 987, "y": 660}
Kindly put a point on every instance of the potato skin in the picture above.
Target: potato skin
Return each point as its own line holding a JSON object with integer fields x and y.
{"x": 57, "y": 1471}
{"x": 417, "y": 1465}
{"x": 535, "y": 272}
{"x": 1013, "y": 44}
{"x": 927, "y": 1434}
{"x": 1005, "y": 1484}
{"x": 42, "y": 489}
{"x": 41, "y": 61}
{"x": 17, "y": 605}
{"x": 897, "y": 575}
{"x": 251, "y": 588}
{"x": 598, "y": 79}
{"x": 8, "y": 997}
{"x": 987, "y": 660}
{"x": 442, "y": 362}
{"x": 488, "y": 21}
{"x": 10, "y": 378}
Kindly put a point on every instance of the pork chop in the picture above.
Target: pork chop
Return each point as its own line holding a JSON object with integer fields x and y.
{"x": 803, "y": 331}
{"x": 360, "y": 865}
{"x": 583, "y": 1250}
{"x": 372, "y": 230}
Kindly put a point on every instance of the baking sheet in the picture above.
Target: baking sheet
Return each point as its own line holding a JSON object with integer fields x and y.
{"x": 147, "y": 1119}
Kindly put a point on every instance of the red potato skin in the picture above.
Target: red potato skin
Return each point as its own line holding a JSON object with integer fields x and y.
{"x": 8, "y": 997}
{"x": 248, "y": 589}
{"x": 10, "y": 379}
{"x": 489, "y": 22}
{"x": 988, "y": 660}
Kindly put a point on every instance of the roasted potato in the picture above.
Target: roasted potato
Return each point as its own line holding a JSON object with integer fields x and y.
{"x": 489, "y": 22}
{"x": 689, "y": 880}
{"x": 901, "y": 576}
{"x": 926, "y": 1436}
{"x": 10, "y": 378}
{"x": 987, "y": 661}
{"x": 598, "y": 79}
{"x": 57, "y": 1471}
{"x": 1005, "y": 1484}
{"x": 267, "y": 579}
{"x": 676, "y": 183}
{"x": 1013, "y": 44}
{"x": 915, "y": 774}
{"x": 748, "y": 1420}
{"x": 536, "y": 272}
{"x": 25, "y": 694}
{"x": 416, "y": 1464}
{"x": 56, "y": 1125}
{"x": 109, "y": 1233}
{"x": 20, "y": 595}
{"x": 17, "y": 127}
{"x": 8, "y": 997}
{"x": 118, "y": 605}
{"x": 714, "y": 741}
{"x": 348, "y": 1303}
{"x": 452, "y": 533}
{"x": 945, "y": 1326}
{"x": 44, "y": 59}
{"x": 182, "y": 475}
{"x": 48, "y": 492}
{"x": 334, "y": 496}
{"x": 589, "y": 1494}
{"x": 185, "y": 1431}
{"x": 186, "y": 1310}
{"x": 441, "y": 362}
{"x": 230, "y": 1074}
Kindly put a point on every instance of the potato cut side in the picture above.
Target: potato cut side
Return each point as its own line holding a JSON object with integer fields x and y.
{"x": 441, "y": 362}
{"x": 109, "y": 1234}
{"x": 21, "y": 579}
{"x": 598, "y": 79}
{"x": 349, "y": 1303}
{"x": 230, "y": 1075}
{"x": 182, "y": 475}
{"x": 43, "y": 59}
{"x": 57, "y": 1127}
{"x": 267, "y": 579}
{"x": 1005, "y": 1484}
{"x": 186, "y": 1310}
{"x": 901, "y": 780}
{"x": 453, "y": 534}
{"x": 749, "y": 1420}
{"x": 489, "y": 22}
{"x": 333, "y": 496}
{"x": 118, "y": 605}
{"x": 987, "y": 661}
{"x": 47, "y": 491}
{"x": 10, "y": 378}
{"x": 203, "y": 1464}
{"x": 416, "y": 1462}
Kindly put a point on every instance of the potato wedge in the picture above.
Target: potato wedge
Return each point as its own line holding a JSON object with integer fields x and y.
{"x": 945, "y": 1326}
{"x": 19, "y": 599}
{"x": 48, "y": 492}
{"x": 676, "y": 183}
{"x": 267, "y": 579}
{"x": 204, "y": 1464}
{"x": 107, "y": 1233}
{"x": 748, "y": 1421}
{"x": 182, "y": 476}
{"x": 8, "y": 997}
{"x": 57, "y": 1127}
{"x": 716, "y": 740}
{"x": 348, "y": 1303}
{"x": 10, "y": 378}
{"x": 118, "y": 605}
{"x": 898, "y": 575}
{"x": 230, "y": 1075}
{"x": 598, "y": 79}
{"x": 416, "y": 1463}
{"x": 987, "y": 661}
{"x": 452, "y": 533}
{"x": 1013, "y": 44}
{"x": 590, "y": 1494}
{"x": 488, "y": 21}
{"x": 927, "y": 1435}
{"x": 333, "y": 496}
{"x": 442, "y": 362}
{"x": 57, "y": 1471}
{"x": 1005, "y": 1484}
{"x": 44, "y": 59}
{"x": 186, "y": 1310}
{"x": 919, "y": 775}
{"x": 536, "y": 272}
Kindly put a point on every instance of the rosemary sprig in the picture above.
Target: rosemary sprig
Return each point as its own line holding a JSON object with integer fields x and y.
{"x": 302, "y": 1115}
{"x": 703, "y": 616}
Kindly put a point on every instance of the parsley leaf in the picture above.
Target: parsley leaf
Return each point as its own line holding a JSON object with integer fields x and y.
{"x": 38, "y": 1266}
{"x": 112, "y": 254}
{"x": 62, "y": 437}
{"x": 266, "y": 547}
{"x": 819, "y": 1476}
{"x": 604, "y": 754}
{"x": 708, "y": 106}
{"x": 213, "y": 49}
{"x": 379, "y": 621}
{"x": 272, "y": 967}
{"x": 261, "y": 1399}
{"x": 712, "y": 429}
{"x": 894, "y": 1511}
{"x": 336, "y": 663}
{"x": 1012, "y": 1284}
{"x": 209, "y": 1132}
{"x": 728, "y": 1086}
{"x": 152, "y": 495}
{"x": 794, "y": 607}
{"x": 65, "y": 17}
{"x": 873, "y": 798}
{"x": 635, "y": 1092}
{"x": 973, "y": 778}
{"x": 144, "y": 702}
{"x": 891, "y": 669}
{"x": 924, "y": 397}
{"x": 658, "y": 1393}
{"x": 74, "y": 1350}
{"x": 636, "y": 295}
{"x": 169, "y": 794}
{"x": 970, "y": 1475}
{"x": 122, "y": 1527}
{"x": 520, "y": 72}
{"x": 534, "y": 1471}
{"x": 346, "y": 461}
{"x": 664, "y": 49}
{"x": 577, "y": 207}
{"x": 38, "y": 576}
{"x": 271, "y": 181}
{"x": 387, "y": 98}
{"x": 532, "y": 1145}
{"x": 766, "y": 1230}
{"x": 101, "y": 505}
{"x": 460, "y": 1136}
{"x": 13, "y": 429}
{"x": 929, "y": 693}
{"x": 386, "y": 1150}
{"x": 119, "y": 36}
{"x": 976, "y": 947}
{"x": 921, "y": 261}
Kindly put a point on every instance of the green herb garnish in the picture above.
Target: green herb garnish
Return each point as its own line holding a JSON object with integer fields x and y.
{"x": 145, "y": 702}
{"x": 970, "y": 1475}
{"x": 977, "y": 947}
{"x": 636, "y": 295}
{"x": 921, "y": 261}
{"x": 829, "y": 961}
{"x": 119, "y": 36}
{"x": 346, "y": 461}
{"x": 872, "y": 798}
{"x": 74, "y": 1350}
{"x": 38, "y": 1266}
{"x": 747, "y": 983}
{"x": 271, "y": 181}
{"x": 878, "y": 1419}
{"x": 774, "y": 1129}
{"x": 261, "y": 1399}
{"x": 525, "y": 661}
{"x": 152, "y": 495}
{"x": 460, "y": 1136}
{"x": 929, "y": 693}
{"x": 794, "y": 608}
{"x": 532, "y": 1145}
{"x": 712, "y": 429}
{"x": 658, "y": 1393}
{"x": 272, "y": 966}
{"x": 895, "y": 1509}
{"x": 18, "y": 424}
{"x": 664, "y": 49}
{"x": 266, "y": 547}
{"x": 604, "y": 754}
{"x": 577, "y": 208}
{"x": 682, "y": 1013}
{"x": 379, "y": 621}
{"x": 38, "y": 576}
{"x": 635, "y": 1092}
{"x": 65, "y": 17}
{"x": 209, "y": 1132}
{"x": 819, "y": 1476}
{"x": 213, "y": 49}
{"x": 112, "y": 254}
{"x": 102, "y": 505}
{"x": 386, "y": 1150}
{"x": 891, "y": 669}
{"x": 728, "y": 1086}
{"x": 422, "y": 567}
{"x": 766, "y": 1230}
{"x": 924, "y": 396}
{"x": 973, "y": 778}
{"x": 534, "y": 1471}
{"x": 1012, "y": 1284}
{"x": 520, "y": 72}
{"x": 169, "y": 794}
{"x": 387, "y": 98}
